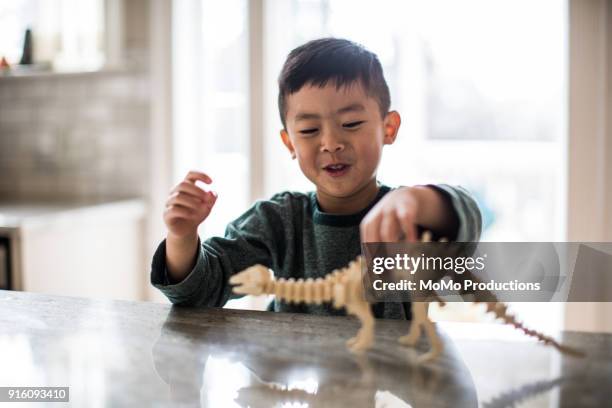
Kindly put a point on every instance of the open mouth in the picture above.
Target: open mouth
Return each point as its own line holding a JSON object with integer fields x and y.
{"x": 336, "y": 170}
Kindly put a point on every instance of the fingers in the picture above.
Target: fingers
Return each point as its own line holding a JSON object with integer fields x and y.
{"x": 407, "y": 223}
{"x": 185, "y": 200}
{"x": 184, "y": 208}
{"x": 194, "y": 176}
{"x": 188, "y": 205}
{"x": 391, "y": 220}
{"x": 191, "y": 189}
{"x": 176, "y": 211}
{"x": 370, "y": 227}
{"x": 188, "y": 196}
{"x": 389, "y": 227}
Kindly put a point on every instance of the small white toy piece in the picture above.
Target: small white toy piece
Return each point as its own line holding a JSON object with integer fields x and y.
{"x": 344, "y": 288}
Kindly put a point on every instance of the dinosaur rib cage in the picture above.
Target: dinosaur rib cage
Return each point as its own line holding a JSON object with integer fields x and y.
{"x": 308, "y": 291}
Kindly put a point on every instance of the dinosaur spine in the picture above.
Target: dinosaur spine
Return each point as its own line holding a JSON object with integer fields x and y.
{"x": 308, "y": 291}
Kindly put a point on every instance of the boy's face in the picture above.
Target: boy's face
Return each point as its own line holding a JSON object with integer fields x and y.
{"x": 337, "y": 136}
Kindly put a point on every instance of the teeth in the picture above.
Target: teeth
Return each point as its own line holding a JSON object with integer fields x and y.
{"x": 336, "y": 166}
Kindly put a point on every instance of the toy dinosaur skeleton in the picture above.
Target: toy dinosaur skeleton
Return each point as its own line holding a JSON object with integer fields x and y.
{"x": 344, "y": 288}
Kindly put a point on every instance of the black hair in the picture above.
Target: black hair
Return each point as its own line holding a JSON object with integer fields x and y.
{"x": 340, "y": 61}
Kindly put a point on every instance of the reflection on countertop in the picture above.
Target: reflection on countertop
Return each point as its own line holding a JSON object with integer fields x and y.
{"x": 118, "y": 353}
{"x": 264, "y": 360}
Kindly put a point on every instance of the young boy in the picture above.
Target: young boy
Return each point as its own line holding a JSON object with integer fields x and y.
{"x": 334, "y": 106}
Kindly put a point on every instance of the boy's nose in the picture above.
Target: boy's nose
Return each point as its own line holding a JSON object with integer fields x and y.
{"x": 331, "y": 143}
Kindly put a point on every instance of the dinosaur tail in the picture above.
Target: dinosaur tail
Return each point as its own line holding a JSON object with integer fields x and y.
{"x": 500, "y": 311}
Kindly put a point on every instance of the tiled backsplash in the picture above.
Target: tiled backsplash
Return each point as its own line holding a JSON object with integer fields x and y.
{"x": 84, "y": 135}
{"x": 74, "y": 136}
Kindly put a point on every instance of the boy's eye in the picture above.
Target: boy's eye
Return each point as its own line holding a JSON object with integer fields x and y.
{"x": 308, "y": 131}
{"x": 352, "y": 125}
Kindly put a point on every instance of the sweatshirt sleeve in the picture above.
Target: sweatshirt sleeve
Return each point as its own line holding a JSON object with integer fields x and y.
{"x": 467, "y": 213}
{"x": 253, "y": 238}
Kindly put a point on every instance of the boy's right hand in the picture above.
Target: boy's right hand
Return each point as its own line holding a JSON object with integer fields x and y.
{"x": 188, "y": 206}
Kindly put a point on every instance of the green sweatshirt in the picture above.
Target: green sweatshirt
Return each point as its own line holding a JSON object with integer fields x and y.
{"x": 291, "y": 235}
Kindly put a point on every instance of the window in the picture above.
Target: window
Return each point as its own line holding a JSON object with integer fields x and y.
{"x": 211, "y": 93}
{"x": 481, "y": 89}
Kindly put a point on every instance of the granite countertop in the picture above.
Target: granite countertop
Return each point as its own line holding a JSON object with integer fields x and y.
{"x": 128, "y": 354}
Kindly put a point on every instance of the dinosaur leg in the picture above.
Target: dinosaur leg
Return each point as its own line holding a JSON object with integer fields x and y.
{"x": 365, "y": 336}
{"x": 421, "y": 321}
{"x": 434, "y": 339}
{"x": 419, "y": 317}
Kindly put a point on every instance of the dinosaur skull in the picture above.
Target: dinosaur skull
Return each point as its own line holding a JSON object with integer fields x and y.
{"x": 251, "y": 281}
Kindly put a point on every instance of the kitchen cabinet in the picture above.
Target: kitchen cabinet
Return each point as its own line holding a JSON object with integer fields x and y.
{"x": 92, "y": 249}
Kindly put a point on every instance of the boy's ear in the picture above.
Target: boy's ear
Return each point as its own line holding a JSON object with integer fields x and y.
{"x": 287, "y": 142}
{"x": 392, "y": 123}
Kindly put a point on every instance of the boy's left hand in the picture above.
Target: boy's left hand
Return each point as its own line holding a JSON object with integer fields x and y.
{"x": 393, "y": 218}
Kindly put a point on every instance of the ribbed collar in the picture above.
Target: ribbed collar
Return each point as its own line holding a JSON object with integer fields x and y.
{"x": 343, "y": 220}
